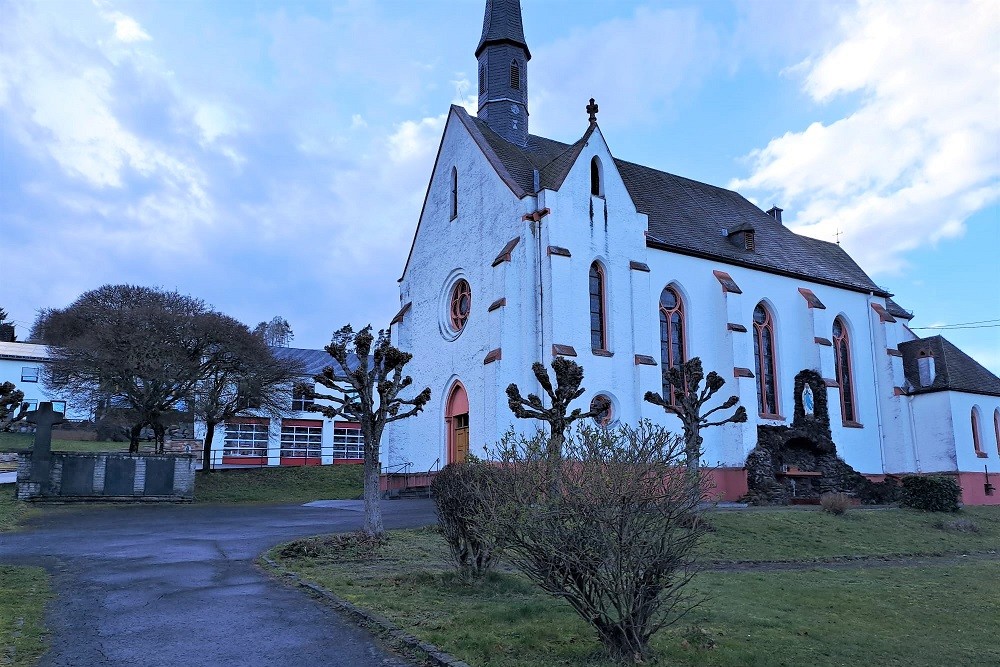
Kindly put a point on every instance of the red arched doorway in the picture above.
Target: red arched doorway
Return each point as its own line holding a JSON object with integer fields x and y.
{"x": 457, "y": 419}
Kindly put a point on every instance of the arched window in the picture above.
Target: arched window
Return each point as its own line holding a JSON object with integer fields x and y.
{"x": 515, "y": 75}
{"x": 461, "y": 304}
{"x": 976, "y": 443}
{"x": 598, "y": 333}
{"x": 603, "y": 408}
{"x": 596, "y": 177}
{"x": 454, "y": 193}
{"x": 842, "y": 361}
{"x": 671, "y": 336}
{"x": 763, "y": 353}
{"x": 996, "y": 427}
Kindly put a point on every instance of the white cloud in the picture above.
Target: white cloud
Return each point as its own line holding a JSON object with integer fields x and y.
{"x": 127, "y": 29}
{"x": 916, "y": 154}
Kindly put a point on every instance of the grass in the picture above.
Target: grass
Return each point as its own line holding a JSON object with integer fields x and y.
{"x": 803, "y": 534}
{"x": 927, "y": 615}
{"x": 19, "y": 442}
{"x": 279, "y": 485}
{"x": 11, "y": 511}
{"x": 23, "y": 593}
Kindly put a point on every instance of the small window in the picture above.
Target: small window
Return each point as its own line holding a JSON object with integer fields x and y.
{"x": 59, "y": 406}
{"x": 603, "y": 409}
{"x": 975, "y": 434}
{"x": 925, "y": 368}
{"x": 461, "y": 304}
{"x": 30, "y": 405}
{"x": 300, "y": 400}
{"x": 29, "y": 374}
{"x": 454, "y": 193}
{"x": 598, "y": 333}
{"x": 596, "y": 177}
{"x": 482, "y": 78}
{"x": 515, "y": 75}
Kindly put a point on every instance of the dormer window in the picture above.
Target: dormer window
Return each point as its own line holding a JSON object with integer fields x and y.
{"x": 742, "y": 235}
{"x": 515, "y": 76}
{"x": 596, "y": 177}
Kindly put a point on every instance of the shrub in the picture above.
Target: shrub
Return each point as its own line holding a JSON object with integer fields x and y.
{"x": 878, "y": 493}
{"x": 931, "y": 494}
{"x": 610, "y": 527}
{"x": 458, "y": 497}
{"x": 835, "y": 503}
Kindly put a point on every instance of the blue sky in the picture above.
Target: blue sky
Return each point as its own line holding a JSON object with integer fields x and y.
{"x": 271, "y": 157}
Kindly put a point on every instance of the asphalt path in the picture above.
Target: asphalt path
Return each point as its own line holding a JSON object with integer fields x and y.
{"x": 150, "y": 585}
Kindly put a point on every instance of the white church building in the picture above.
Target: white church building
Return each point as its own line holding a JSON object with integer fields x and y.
{"x": 528, "y": 248}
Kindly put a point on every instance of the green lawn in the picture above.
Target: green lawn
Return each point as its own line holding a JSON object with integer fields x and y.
{"x": 23, "y": 593}
{"x": 279, "y": 485}
{"x": 11, "y": 511}
{"x": 16, "y": 442}
{"x": 888, "y": 616}
{"x": 802, "y": 534}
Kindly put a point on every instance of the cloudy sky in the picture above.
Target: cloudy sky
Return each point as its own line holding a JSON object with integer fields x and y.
{"x": 271, "y": 157}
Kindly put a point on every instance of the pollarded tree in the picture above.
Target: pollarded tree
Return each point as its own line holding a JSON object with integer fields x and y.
{"x": 689, "y": 401}
{"x": 569, "y": 377}
{"x": 10, "y": 401}
{"x": 244, "y": 375}
{"x": 139, "y": 349}
{"x": 367, "y": 392}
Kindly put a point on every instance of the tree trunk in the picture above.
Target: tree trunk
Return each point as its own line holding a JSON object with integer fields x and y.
{"x": 372, "y": 488}
{"x": 133, "y": 438}
{"x": 206, "y": 451}
{"x": 373, "y": 497}
{"x": 159, "y": 430}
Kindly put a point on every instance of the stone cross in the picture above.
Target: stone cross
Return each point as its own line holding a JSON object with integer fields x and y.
{"x": 43, "y": 418}
{"x": 592, "y": 109}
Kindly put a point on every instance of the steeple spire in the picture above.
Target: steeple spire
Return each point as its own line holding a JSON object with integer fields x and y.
{"x": 503, "y": 71}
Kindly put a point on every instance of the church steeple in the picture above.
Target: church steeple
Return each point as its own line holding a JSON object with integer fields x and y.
{"x": 503, "y": 71}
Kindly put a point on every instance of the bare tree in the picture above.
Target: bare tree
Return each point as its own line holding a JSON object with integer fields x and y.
{"x": 689, "y": 401}
{"x": 136, "y": 348}
{"x": 367, "y": 392}
{"x": 10, "y": 401}
{"x": 276, "y": 333}
{"x": 569, "y": 377}
{"x": 618, "y": 543}
{"x": 243, "y": 375}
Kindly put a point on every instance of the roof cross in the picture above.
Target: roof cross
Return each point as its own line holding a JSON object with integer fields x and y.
{"x": 837, "y": 234}
{"x": 592, "y": 109}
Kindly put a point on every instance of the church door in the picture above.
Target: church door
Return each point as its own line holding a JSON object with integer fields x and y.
{"x": 458, "y": 425}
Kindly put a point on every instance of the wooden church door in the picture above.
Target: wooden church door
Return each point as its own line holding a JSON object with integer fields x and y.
{"x": 458, "y": 425}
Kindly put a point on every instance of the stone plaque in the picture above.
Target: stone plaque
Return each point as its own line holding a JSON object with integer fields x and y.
{"x": 77, "y": 476}
{"x": 119, "y": 476}
{"x": 159, "y": 477}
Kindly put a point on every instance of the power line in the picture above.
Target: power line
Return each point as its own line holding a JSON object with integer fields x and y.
{"x": 958, "y": 324}
{"x": 954, "y": 327}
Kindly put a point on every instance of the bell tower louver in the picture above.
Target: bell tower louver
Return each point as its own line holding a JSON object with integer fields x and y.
{"x": 503, "y": 71}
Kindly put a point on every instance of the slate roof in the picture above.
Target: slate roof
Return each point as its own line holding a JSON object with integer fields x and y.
{"x": 897, "y": 310}
{"x": 502, "y": 23}
{"x": 685, "y": 216}
{"x": 954, "y": 369}
{"x": 313, "y": 361}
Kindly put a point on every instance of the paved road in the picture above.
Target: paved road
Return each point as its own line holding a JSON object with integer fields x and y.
{"x": 142, "y": 586}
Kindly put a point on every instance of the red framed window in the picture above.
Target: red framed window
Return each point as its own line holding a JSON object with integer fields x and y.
{"x": 301, "y": 441}
{"x": 461, "y": 304}
{"x": 975, "y": 434}
{"x": 845, "y": 376}
{"x": 246, "y": 441}
{"x": 598, "y": 333}
{"x": 671, "y": 336}
{"x": 764, "y": 359}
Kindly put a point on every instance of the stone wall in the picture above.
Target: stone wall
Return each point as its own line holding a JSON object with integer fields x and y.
{"x": 110, "y": 476}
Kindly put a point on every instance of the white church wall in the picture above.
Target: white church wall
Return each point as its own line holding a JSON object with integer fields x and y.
{"x": 489, "y": 215}
{"x": 961, "y": 405}
{"x": 934, "y": 432}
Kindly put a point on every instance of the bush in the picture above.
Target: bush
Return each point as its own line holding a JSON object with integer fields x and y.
{"x": 835, "y": 503}
{"x": 931, "y": 494}
{"x": 610, "y": 526}
{"x": 458, "y": 497}
{"x": 878, "y": 493}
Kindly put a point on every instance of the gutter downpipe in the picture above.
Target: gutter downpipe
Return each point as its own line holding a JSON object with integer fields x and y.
{"x": 539, "y": 281}
{"x": 878, "y": 400}
{"x": 913, "y": 431}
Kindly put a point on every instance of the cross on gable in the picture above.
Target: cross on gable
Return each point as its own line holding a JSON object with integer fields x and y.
{"x": 592, "y": 109}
